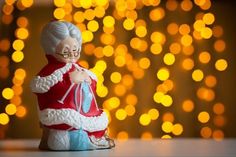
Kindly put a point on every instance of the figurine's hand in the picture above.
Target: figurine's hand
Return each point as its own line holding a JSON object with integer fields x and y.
{"x": 79, "y": 76}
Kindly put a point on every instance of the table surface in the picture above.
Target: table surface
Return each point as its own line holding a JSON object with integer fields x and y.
{"x": 129, "y": 148}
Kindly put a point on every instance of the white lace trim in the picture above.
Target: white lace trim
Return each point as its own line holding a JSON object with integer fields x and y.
{"x": 73, "y": 118}
{"x": 43, "y": 84}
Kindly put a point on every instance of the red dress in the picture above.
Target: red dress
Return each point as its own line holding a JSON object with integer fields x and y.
{"x": 49, "y": 99}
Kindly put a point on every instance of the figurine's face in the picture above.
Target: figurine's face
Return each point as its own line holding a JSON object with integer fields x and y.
{"x": 68, "y": 50}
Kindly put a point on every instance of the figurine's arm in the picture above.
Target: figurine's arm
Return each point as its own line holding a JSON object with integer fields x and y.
{"x": 43, "y": 84}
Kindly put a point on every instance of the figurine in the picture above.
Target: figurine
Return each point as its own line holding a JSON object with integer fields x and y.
{"x": 68, "y": 111}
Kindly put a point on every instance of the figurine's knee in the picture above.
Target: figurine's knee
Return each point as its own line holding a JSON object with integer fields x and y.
{"x": 58, "y": 140}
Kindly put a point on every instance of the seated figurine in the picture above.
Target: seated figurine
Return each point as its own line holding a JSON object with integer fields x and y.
{"x": 68, "y": 111}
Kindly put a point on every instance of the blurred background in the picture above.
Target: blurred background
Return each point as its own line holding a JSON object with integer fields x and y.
{"x": 165, "y": 68}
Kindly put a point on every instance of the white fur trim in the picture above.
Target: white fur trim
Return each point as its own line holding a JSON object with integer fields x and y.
{"x": 43, "y": 84}
{"x": 73, "y": 118}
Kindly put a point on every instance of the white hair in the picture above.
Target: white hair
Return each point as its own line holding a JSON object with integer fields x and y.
{"x": 54, "y": 32}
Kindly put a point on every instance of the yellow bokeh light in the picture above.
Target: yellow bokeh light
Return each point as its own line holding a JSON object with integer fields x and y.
{"x": 122, "y": 136}
{"x": 7, "y": 93}
{"x": 197, "y": 35}
{"x": 206, "y": 33}
{"x": 163, "y": 74}
{"x": 127, "y": 80}
{"x": 153, "y": 113}
{"x": 10, "y": 109}
{"x": 119, "y": 61}
{"x": 141, "y": 31}
{"x": 131, "y": 99}
{"x": 146, "y": 136}
{"x": 10, "y": 2}
{"x": 188, "y": 105}
{"x": 219, "y": 121}
{"x": 102, "y": 91}
{"x": 203, "y": 117}
{"x": 169, "y": 84}
{"x": 157, "y": 14}
{"x": 145, "y": 119}
{"x": 217, "y": 31}
{"x": 93, "y": 26}
{"x": 204, "y": 57}
{"x": 22, "y": 33}
{"x": 99, "y": 12}
{"x": 156, "y": 48}
{"x": 21, "y": 111}
{"x": 166, "y": 100}
{"x": 218, "y": 108}
{"x": 177, "y": 129}
{"x": 86, "y": 4}
{"x": 188, "y": 50}
{"x": 59, "y": 3}
{"x": 210, "y": 81}
{"x": 208, "y": 18}
{"x": 59, "y": 13}
{"x": 168, "y": 116}
{"x": 144, "y": 63}
{"x": 221, "y": 65}
{"x": 166, "y": 136}
{"x": 172, "y": 5}
{"x": 20, "y": 74}
{"x": 89, "y": 14}
{"x": 120, "y": 89}
{"x": 121, "y": 114}
{"x": 188, "y": 64}
{"x": 16, "y": 100}
{"x": 175, "y": 48}
{"x": 184, "y": 29}
{"x": 186, "y": 40}
{"x": 130, "y": 110}
{"x": 108, "y": 21}
{"x": 18, "y": 90}
{"x": 101, "y": 2}
{"x": 206, "y": 94}
{"x": 22, "y": 21}
{"x": 27, "y": 3}
{"x": 169, "y": 59}
{"x": 158, "y": 37}
{"x": 206, "y": 5}
{"x": 131, "y": 14}
{"x": 186, "y": 5}
{"x": 4, "y": 119}
{"x": 206, "y": 132}
{"x": 198, "y": 25}
{"x": 87, "y": 36}
{"x": 108, "y": 51}
{"x": 128, "y": 24}
{"x": 113, "y": 102}
{"x": 167, "y": 127}
{"x": 197, "y": 75}
{"x": 219, "y": 45}
{"x": 172, "y": 28}
{"x": 218, "y": 135}
{"x": 18, "y": 45}
{"x": 115, "y": 77}
{"x": 78, "y": 17}
{"x": 17, "y": 56}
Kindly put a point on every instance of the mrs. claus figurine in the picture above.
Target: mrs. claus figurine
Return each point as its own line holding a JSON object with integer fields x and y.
{"x": 68, "y": 111}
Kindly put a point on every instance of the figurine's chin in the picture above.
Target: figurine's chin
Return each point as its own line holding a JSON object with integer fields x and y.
{"x": 71, "y": 61}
